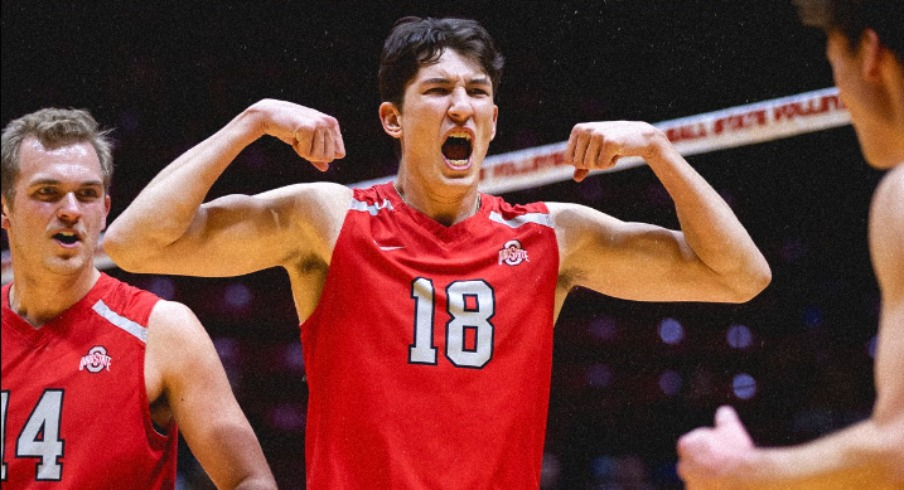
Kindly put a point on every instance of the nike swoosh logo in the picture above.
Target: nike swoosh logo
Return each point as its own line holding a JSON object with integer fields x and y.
{"x": 390, "y": 247}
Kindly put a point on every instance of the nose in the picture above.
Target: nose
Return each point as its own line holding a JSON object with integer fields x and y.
{"x": 460, "y": 108}
{"x": 69, "y": 209}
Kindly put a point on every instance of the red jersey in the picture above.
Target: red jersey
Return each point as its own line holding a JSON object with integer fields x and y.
{"x": 429, "y": 355}
{"x": 75, "y": 407}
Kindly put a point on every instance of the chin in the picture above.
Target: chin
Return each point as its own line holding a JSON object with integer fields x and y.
{"x": 466, "y": 179}
{"x": 66, "y": 266}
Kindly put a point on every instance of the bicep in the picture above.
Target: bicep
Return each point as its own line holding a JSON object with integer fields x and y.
{"x": 240, "y": 234}
{"x": 635, "y": 261}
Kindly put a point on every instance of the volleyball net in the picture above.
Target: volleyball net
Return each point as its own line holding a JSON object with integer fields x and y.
{"x": 732, "y": 127}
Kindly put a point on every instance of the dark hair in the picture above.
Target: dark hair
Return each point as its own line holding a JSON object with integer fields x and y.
{"x": 852, "y": 17}
{"x": 414, "y": 42}
{"x": 53, "y": 127}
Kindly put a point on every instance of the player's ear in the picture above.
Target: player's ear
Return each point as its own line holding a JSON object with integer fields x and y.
{"x": 495, "y": 118}
{"x": 4, "y": 219}
{"x": 107, "y": 203}
{"x": 871, "y": 52}
{"x": 391, "y": 118}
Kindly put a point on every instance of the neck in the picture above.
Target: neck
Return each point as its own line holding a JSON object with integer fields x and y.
{"x": 446, "y": 209}
{"x": 41, "y": 299}
{"x": 891, "y": 103}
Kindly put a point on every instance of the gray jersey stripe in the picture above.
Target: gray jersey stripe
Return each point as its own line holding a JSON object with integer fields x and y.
{"x": 373, "y": 209}
{"x": 120, "y": 321}
{"x": 537, "y": 218}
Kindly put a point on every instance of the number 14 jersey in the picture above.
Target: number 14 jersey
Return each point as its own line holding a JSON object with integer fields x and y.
{"x": 428, "y": 357}
{"x": 75, "y": 406}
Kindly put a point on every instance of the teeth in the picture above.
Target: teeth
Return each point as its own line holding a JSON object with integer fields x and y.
{"x": 457, "y": 148}
{"x": 460, "y": 134}
{"x": 67, "y": 233}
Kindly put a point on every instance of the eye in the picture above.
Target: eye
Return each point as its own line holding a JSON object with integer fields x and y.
{"x": 437, "y": 90}
{"x": 46, "y": 192}
{"x": 480, "y": 92}
{"x": 88, "y": 194}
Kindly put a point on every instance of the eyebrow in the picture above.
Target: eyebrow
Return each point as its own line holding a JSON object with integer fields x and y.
{"x": 87, "y": 183}
{"x": 440, "y": 80}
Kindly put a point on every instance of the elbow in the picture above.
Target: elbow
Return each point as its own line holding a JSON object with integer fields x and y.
{"x": 760, "y": 279}
{"x": 118, "y": 248}
{"x": 115, "y": 249}
{"x": 751, "y": 282}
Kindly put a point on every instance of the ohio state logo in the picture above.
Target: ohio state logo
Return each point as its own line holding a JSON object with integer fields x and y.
{"x": 512, "y": 253}
{"x": 96, "y": 360}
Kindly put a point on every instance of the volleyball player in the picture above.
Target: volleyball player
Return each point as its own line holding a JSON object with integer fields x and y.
{"x": 427, "y": 307}
{"x": 865, "y": 47}
{"x": 98, "y": 376}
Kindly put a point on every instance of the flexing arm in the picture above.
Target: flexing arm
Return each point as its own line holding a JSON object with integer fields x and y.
{"x": 869, "y": 454}
{"x": 183, "y": 372}
{"x": 166, "y": 229}
{"x": 712, "y": 258}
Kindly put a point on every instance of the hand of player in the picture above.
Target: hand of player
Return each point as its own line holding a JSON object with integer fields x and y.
{"x": 313, "y": 135}
{"x": 599, "y": 145}
{"x": 710, "y": 458}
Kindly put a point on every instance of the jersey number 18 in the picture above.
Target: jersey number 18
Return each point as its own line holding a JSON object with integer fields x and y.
{"x": 469, "y": 332}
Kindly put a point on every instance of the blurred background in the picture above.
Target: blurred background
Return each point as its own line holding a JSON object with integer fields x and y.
{"x": 628, "y": 378}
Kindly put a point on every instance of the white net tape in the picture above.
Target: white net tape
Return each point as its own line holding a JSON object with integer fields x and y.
{"x": 769, "y": 120}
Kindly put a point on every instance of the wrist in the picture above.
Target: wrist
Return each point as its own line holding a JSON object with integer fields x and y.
{"x": 754, "y": 468}
{"x": 659, "y": 148}
{"x": 248, "y": 126}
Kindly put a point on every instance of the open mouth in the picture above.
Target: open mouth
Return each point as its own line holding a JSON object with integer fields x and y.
{"x": 457, "y": 149}
{"x": 66, "y": 238}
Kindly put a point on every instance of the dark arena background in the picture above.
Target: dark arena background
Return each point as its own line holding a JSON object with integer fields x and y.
{"x": 628, "y": 378}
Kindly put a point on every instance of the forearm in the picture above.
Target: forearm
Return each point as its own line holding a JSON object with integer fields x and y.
{"x": 710, "y": 227}
{"x": 236, "y": 461}
{"x": 861, "y": 456}
{"x": 167, "y": 206}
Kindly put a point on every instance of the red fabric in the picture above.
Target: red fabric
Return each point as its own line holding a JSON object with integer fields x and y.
{"x": 89, "y": 373}
{"x": 380, "y": 416}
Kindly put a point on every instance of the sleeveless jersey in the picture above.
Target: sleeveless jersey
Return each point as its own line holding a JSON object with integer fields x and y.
{"x": 429, "y": 355}
{"x": 75, "y": 407}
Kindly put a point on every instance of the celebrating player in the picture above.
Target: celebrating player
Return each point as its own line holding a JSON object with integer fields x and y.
{"x": 426, "y": 306}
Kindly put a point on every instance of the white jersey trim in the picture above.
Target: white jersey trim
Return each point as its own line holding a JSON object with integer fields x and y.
{"x": 139, "y": 331}
{"x": 542, "y": 219}
{"x": 372, "y": 209}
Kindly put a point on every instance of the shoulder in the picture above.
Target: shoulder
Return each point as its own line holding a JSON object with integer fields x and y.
{"x": 305, "y": 195}
{"x": 311, "y": 213}
{"x": 887, "y": 209}
{"x": 576, "y": 217}
{"x": 175, "y": 339}
{"x": 322, "y": 199}
{"x": 332, "y": 191}
{"x": 887, "y": 229}
{"x": 179, "y": 353}
{"x": 890, "y": 191}
{"x": 174, "y": 326}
